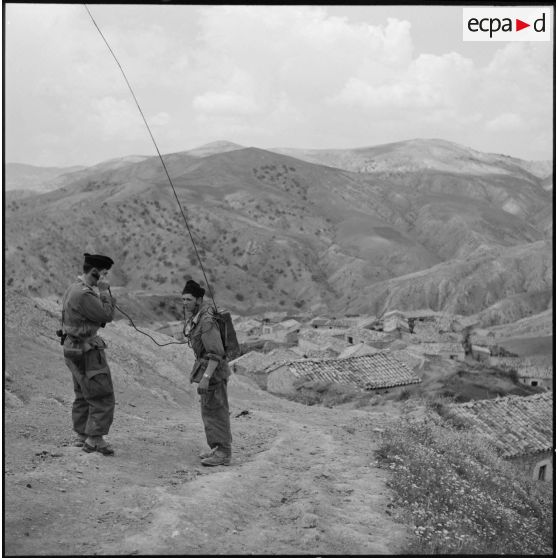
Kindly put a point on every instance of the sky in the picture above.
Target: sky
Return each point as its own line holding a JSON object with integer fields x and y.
{"x": 314, "y": 77}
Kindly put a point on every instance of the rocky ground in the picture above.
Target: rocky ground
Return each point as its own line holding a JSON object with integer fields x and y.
{"x": 302, "y": 480}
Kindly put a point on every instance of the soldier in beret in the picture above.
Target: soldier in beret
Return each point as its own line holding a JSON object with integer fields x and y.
{"x": 84, "y": 311}
{"x": 210, "y": 372}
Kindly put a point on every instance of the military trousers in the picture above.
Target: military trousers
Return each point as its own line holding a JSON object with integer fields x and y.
{"x": 215, "y": 417}
{"x": 93, "y": 407}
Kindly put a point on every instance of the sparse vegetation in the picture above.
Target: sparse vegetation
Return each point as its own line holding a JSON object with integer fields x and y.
{"x": 459, "y": 495}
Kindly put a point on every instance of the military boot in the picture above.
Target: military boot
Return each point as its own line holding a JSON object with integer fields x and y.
{"x": 97, "y": 443}
{"x": 218, "y": 458}
{"x": 79, "y": 440}
{"x": 207, "y": 453}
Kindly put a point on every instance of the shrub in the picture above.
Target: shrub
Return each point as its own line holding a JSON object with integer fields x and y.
{"x": 404, "y": 395}
{"x": 459, "y": 495}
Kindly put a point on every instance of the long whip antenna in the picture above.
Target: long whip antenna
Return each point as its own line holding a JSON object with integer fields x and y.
{"x": 158, "y": 153}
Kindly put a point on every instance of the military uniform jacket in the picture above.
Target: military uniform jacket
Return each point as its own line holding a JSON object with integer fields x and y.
{"x": 206, "y": 343}
{"x": 83, "y": 313}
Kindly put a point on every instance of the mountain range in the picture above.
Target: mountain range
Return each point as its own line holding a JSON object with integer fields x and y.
{"x": 414, "y": 224}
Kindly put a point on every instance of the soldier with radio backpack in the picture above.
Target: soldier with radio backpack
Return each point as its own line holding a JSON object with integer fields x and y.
{"x": 211, "y": 372}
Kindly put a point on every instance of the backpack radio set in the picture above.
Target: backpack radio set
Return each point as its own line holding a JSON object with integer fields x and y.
{"x": 223, "y": 319}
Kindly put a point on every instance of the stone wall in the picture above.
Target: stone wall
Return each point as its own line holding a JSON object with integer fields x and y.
{"x": 281, "y": 381}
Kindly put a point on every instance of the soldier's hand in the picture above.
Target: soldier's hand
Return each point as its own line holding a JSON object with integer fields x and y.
{"x": 203, "y": 385}
{"x": 103, "y": 284}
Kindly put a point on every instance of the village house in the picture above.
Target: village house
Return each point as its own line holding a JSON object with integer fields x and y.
{"x": 377, "y": 339}
{"x": 368, "y": 372}
{"x": 395, "y": 320}
{"x": 480, "y": 353}
{"x": 330, "y": 323}
{"x": 246, "y": 328}
{"x": 484, "y": 348}
{"x": 536, "y": 375}
{"x": 319, "y": 343}
{"x": 255, "y": 364}
{"x": 282, "y": 332}
{"x": 451, "y": 351}
{"x": 429, "y": 332}
{"x": 421, "y": 316}
{"x": 520, "y": 427}
{"x": 318, "y": 322}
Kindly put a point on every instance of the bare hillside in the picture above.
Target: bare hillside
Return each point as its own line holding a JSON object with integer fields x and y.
{"x": 276, "y": 232}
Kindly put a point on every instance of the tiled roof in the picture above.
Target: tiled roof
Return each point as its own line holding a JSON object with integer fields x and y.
{"x": 367, "y": 372}
{"x": 530, "y": 371}
{"x": 509, "y": 362}
{"x": 518, "y": 425}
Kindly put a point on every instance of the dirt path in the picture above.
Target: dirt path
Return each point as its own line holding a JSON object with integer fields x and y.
{"x": 303, "y": 480}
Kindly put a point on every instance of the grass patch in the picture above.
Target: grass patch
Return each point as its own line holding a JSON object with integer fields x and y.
{"x": 459, "y": 495}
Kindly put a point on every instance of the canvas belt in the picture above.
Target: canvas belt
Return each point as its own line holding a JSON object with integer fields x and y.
{"x": 78, "y": 346}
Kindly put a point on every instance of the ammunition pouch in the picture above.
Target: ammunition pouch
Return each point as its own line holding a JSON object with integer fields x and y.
{"x": 199, "y": 368}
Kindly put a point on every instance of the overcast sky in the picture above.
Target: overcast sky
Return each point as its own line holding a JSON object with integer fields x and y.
{"x": 264, "y": 76}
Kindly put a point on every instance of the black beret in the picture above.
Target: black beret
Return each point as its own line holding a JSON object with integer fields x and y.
{"x": 194, "y": 289}
{"x": 98, "y": 261}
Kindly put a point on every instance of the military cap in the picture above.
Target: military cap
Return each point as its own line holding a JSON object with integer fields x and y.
{"x": 194, "y": 289}
{"x": 98, "y": 261}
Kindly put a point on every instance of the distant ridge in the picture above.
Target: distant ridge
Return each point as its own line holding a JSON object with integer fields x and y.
{"x": 420, "y": 154}
{"x": 276, "y": 232}
{"x": 214, "y": 148}
{"x": 19, "y": 176}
